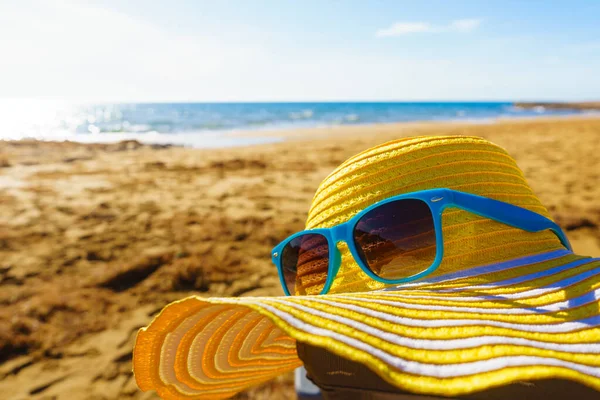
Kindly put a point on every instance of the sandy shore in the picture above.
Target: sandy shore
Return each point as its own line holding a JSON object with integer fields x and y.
{"x": 582, "y": 105}
{"x": 395, "y": 129}
{"x": 96, "y": 239}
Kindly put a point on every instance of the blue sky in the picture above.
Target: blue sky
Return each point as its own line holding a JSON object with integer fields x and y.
{"x": 109, "y": 50}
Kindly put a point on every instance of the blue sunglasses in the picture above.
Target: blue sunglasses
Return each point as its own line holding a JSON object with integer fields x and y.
{"x": 387, "y": 236}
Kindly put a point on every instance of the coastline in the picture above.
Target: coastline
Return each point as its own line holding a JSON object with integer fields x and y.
{"x": 391, "y": 128}
{"x": 96, "y": 238}
{"x": 581, "y": 105}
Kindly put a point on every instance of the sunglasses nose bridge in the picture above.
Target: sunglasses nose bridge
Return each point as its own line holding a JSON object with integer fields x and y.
{"x": 340, "y": 232}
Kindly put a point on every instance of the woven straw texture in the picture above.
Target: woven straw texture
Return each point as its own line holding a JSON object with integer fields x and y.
{"x": 504, "y": 305}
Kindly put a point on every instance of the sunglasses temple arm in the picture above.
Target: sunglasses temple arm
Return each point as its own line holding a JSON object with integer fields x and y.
{"x": 508, "y": 214}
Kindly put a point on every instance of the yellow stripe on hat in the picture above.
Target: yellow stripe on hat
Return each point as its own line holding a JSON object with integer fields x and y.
{"x": 193, "y": 349}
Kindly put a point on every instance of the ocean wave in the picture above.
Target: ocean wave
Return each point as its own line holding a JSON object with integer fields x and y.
{"x": 210, "y": 125}
{"x": 304, "y": 114}
{"x": 261, "y": 122}
{"x": 139, "y": 128}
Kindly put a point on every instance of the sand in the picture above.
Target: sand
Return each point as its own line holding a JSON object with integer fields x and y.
{"x": 582, "y": 105}
{"x": 96, "y": 239}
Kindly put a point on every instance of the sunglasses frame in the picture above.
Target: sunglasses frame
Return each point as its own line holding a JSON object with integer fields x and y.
{"x": 437, "y": 200}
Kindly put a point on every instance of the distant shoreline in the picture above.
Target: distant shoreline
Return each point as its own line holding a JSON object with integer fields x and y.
{"x": 585, "y": 105}
{"x": 370, "y": 129}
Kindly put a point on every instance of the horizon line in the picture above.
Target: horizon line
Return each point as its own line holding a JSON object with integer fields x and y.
{"x": 349, "y": 101}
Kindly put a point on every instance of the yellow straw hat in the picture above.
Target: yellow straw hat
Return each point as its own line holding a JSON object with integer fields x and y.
{"x": 505, "y": 305}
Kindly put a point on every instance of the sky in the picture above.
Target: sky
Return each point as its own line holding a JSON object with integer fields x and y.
{"x": 312, "y": 50}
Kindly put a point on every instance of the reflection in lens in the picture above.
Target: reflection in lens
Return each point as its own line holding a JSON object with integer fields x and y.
{"x": 304, "y": 261}
{"x": 397, "y": 239}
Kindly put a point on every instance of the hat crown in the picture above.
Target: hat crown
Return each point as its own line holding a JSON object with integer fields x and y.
{"x": 468, "y": 164}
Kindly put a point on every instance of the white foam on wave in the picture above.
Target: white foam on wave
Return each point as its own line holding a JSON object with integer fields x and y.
{"x": 304, "y": 114}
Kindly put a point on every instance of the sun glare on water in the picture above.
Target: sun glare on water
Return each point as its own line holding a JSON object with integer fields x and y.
{"x": 38, "y": 119}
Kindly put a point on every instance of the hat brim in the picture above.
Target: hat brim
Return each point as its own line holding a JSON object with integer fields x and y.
{"x": 533, "y": 318}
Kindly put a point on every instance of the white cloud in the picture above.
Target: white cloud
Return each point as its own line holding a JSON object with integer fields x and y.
{"x": 465, "y": 25}
{"x": 404, "y": 28}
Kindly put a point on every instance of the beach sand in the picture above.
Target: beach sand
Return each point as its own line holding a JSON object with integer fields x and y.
{"x": 96, "y": 239}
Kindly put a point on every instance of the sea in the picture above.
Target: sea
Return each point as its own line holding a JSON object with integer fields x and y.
{"x": 210, "y": 125}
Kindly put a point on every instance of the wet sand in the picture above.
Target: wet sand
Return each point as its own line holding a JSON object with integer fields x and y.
{"x": 582, "y": 105}
{"x": 96, "y": 239}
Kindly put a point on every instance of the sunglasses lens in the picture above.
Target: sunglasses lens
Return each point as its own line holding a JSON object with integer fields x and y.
{"x": 304, "y": 261}
{"x": 397, "y": 239}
